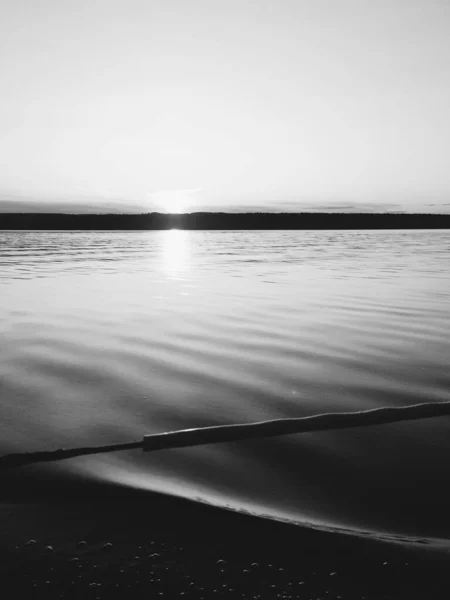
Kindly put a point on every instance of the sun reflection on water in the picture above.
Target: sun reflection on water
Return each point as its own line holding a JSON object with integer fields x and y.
{"x": 175, "y": 252}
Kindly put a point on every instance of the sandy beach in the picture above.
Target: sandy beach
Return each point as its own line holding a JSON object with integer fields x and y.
{"x": 149, "y": 545}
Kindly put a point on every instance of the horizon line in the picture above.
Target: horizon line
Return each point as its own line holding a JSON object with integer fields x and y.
{"x": 177, "y": 214}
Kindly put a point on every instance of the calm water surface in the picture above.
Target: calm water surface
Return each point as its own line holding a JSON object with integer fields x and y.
{"x": 106, "y": 336}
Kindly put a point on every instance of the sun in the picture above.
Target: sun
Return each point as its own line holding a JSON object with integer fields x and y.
{"x": 172, "y": 201}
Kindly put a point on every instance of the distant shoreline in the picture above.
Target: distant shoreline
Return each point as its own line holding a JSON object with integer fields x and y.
{"x": 222, "y": 221}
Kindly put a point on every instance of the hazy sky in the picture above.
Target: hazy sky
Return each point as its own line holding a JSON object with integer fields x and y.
{"x": 201, "y": 104}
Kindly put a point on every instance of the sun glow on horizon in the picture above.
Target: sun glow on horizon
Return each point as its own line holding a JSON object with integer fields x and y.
{"x": 173, "y": 201}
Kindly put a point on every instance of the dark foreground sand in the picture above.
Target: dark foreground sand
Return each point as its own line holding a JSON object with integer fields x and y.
{"x": 151, "y": 546}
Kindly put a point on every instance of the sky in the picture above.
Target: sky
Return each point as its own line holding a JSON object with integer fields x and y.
{"x": 186, "y": 105}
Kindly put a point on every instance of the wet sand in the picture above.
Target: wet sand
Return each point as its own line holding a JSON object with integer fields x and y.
{"x": 140, "y": 545}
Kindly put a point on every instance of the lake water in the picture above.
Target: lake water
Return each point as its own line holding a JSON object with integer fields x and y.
{"x": 107, "y": 336}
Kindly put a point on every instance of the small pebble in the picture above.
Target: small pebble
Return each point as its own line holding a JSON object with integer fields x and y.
{"x": 48, "y": 548}
{"x": 30, "y": 542}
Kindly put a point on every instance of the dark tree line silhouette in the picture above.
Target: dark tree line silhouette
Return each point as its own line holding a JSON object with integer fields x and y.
{"x": 224, "y": 221}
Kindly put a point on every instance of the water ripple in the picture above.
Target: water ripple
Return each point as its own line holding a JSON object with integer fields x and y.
{"x": 106, "y": 336}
